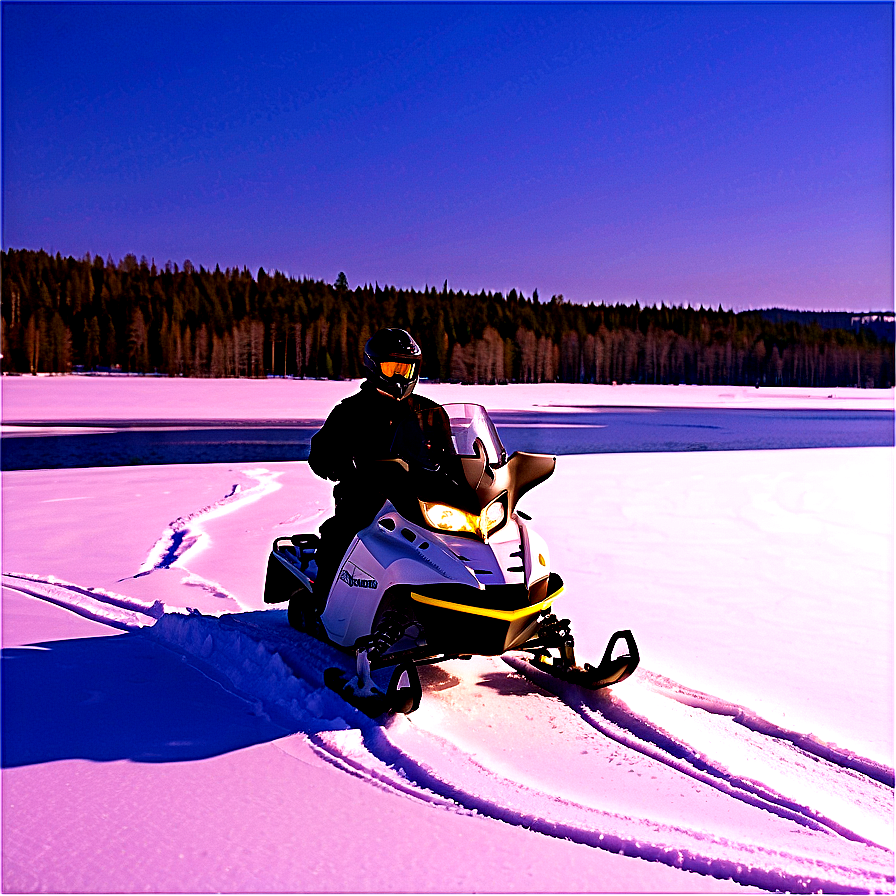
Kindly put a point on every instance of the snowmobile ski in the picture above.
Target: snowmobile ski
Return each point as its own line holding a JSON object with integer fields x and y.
{"x": 611, "y": 670}
{"x": 402, "y": 695}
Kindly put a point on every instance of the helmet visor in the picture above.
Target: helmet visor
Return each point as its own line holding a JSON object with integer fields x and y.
{"x": 397, "y": 368}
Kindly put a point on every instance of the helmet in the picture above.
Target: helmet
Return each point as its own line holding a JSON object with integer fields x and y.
{"x": 393, "y": 359}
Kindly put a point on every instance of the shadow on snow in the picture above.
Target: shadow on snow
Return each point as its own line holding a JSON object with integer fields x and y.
{"x": 118, "y": 697}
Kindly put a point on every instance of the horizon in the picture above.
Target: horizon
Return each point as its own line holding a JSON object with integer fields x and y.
{"x": 736, "y": 155}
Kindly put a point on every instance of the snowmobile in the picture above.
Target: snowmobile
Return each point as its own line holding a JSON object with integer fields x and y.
{"x": 449, "y": 568}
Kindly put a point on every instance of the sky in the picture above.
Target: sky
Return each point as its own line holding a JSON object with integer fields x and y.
{"x": 691, "y": 154}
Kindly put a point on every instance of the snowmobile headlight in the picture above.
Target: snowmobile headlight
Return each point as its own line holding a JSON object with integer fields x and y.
{"x": 492, "y": 516}
{"x": 452, "y": 519}
{"x": 449, "y": 519}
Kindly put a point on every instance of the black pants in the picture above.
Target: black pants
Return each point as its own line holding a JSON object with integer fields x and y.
{"x": 355, "y": 510}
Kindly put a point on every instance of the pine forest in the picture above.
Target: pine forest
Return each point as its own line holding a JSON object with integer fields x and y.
{"x": 65, "y": 314}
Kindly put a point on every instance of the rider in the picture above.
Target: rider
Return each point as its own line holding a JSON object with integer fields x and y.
{"x": 358, "y": 431}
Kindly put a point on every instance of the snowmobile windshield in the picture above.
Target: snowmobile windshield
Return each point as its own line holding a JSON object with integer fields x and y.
{"x": 440, "y": 435}
{"x": 448, "y": 451}
{"x": 469, "y": 422}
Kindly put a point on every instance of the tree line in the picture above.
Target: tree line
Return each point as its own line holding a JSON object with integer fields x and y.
{"x": 64, "y": 314}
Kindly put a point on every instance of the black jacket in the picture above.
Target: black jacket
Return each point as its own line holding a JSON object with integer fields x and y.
{"x": 359, "y": 430}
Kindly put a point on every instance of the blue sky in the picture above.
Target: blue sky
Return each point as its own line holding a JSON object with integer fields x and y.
{"x": 733, "y": 154}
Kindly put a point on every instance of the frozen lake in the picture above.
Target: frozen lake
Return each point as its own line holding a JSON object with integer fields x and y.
{"x": 572, "y": 430}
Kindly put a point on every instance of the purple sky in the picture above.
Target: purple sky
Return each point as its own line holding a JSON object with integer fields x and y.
{"x": 733, "y": 154}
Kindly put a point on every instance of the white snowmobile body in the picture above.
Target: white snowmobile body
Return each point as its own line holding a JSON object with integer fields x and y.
{"x": 393, "y": 552}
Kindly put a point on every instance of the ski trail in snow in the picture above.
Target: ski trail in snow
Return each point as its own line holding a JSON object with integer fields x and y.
{"x": 186, "y": 535}
{"x": 113, "y": 609}
{"x": 347, "y": 750}
{"x": 750, "y": 720}
{"x": 611, "y": 715}
{"x": 448, "y": 773}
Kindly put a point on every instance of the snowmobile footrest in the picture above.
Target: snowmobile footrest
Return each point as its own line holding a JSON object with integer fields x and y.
{"x": 402, "y": 696}
{"x": 611, "y": 670}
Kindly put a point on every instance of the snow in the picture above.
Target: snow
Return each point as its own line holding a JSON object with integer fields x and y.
{"x": 164, "y": 731}
{"x": 115, "y": 398}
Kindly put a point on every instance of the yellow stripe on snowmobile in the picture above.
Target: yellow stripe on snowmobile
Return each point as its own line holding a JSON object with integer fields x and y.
{"x": 504, "y": 615}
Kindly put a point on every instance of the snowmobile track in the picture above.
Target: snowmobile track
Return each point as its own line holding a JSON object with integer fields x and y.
{"x": 265, "y": 661}
{"x": 94, "y": 604}
{"x": 395, "y": 756}
{"x": 699, "y": 853}
{"x": 610, "y": 716}
{"x": 716, "y": 706}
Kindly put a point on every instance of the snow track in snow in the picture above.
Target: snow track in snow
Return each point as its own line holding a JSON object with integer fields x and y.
{"x": 450, "y": 773}
{"x": 748, "y": 740}
{"x": 97, "y": 604}
{"x": 186, "y": 534}
{"x": 774, "y": 782}
{"x": 811, "y": 744}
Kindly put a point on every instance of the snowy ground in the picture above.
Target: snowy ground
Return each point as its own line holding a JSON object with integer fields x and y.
{"x": 146, "y": 748}
{"x": 89, "y": 398}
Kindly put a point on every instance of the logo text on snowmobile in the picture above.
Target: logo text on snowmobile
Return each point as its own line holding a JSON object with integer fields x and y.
{"x": 352, "y": 582}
